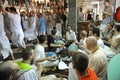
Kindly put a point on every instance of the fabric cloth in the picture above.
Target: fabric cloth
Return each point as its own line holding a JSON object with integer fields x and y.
{"x": 72, "y": 73}
{"x": 31, "y": 33}
{"x": 59, "y": 27}
{"x": 98, "y": 63}
{"x": 24, "y": 66}
{"x": 90, "y": 76}
{"x": 17, "y": 32}
{"x": 100, "y": 43}
{"x": 49, "y": 24}
{"x": 116, "y": 50}
{"x": 7, "y": 24}
{"x": 49, "y": 77}
{"x": 73, "y": 46}
{"x": 25, "y": 22}
{"x": 107, "y": 19}
{"x": 51, "y": 40}
{"x": 42, "y": 25}
{"x": 5, "y": 48}
{"x": 29, "y": 75}
{"x": 40, "y": 53}
{"x": 81, "y": 16}
{"x": 83, "y": 42}
{"x": 70, "y": 35}
{"x": 58, "y": 35}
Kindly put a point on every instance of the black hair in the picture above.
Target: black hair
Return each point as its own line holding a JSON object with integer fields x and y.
{"x": 68, "y": 25}
{"x": 53, "y": 32}
{"x": 96, "y": 31}
{"x": 54, "y": 27}
{"x": 7, "y": 8}
{"x": 42, "y": 38}
{"x": 13, "y": 9}
{"x": 26, "y": 53}
{"x": 117, "y": 28}
{"x": 107, "y": 1}
{"x": 80, "y": 61}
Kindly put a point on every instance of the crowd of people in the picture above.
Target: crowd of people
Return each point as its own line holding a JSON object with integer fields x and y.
{"x": 46, "y": 25}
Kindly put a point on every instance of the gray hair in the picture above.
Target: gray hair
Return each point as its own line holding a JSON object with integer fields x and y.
{"x": 92, "y": 40}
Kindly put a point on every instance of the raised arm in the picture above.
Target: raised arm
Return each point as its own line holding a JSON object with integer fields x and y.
{"x": 2, "y": 8}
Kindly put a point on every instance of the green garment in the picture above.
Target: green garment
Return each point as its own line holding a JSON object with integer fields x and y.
{"x": 24, "y": 66}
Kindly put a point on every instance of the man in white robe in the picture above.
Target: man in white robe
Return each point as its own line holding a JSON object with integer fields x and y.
{"x": 5, "y": 48}
{"x": 17, "y": 32}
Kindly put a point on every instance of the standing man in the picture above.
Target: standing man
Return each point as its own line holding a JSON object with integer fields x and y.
{"x": 5, "y": 48}
{"x": 17, "y": 32}
{"x": 107, "y": 16}
{"x": 81, "y": 15}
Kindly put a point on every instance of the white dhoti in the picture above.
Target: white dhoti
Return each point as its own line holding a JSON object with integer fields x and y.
{"x": 18, "y": 38}
{"x": 31, "y": 34}
{"x": 5, "y": 48}
{"x": 59, "y": 27}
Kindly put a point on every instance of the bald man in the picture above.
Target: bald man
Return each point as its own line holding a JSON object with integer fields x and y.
{"x": 9, "y": 70}
{"x": 97, "y": 58}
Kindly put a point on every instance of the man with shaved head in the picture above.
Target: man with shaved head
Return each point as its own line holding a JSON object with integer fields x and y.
{"x": 97, "y": 58}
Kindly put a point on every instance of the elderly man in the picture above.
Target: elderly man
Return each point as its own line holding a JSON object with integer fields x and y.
{"x": 97, "y": 60}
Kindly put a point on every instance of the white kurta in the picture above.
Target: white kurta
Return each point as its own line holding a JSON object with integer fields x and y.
{"x": 70, "y": 35}
{"x": 5, "y": 48}
{"x": 31, "y": 32}
{"x": 17, "y": 32}
{"x": 40, "y": 53}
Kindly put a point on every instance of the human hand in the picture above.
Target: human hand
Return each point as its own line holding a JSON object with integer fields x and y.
{"x": 40, "y": 70}
{"x": 49, "y": 58}
{"x": 61, "y": 45}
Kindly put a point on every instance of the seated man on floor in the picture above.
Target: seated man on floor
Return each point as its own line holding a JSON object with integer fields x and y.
{"x": 80, "y": 63}
{"x": 28, "y": 55}
{"x": 97, "y": 60}
{"x": 9, "y": 70}
{"x": 51, "y": 42}
{"x": 40, "y": 55}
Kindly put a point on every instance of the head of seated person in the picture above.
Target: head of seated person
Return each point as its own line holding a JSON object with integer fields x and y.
{"x": 42, "y": 39}
{"x": 27, "y": 55}
{"x": 53, "y": 32}
{"x": 8, "y": 69}
{"x": 80, "y": 64}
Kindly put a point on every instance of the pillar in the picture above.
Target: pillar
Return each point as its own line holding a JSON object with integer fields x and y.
{"x": 72, "y": 20}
